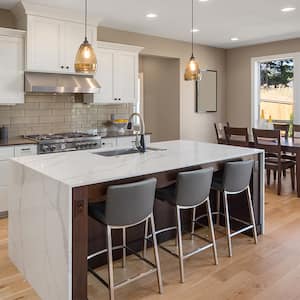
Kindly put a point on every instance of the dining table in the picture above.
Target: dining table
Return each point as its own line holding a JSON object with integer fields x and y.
{"x": 291, "y": 145}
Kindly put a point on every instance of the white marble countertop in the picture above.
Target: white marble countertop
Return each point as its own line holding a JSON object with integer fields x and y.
{"x": 81, "y": 168}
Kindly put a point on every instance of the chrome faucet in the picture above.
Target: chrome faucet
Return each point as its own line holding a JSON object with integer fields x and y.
{"x": 140, "y": 144}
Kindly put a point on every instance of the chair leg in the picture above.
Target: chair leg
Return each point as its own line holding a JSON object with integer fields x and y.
{"x": 212, "y": 231}
{"x": 180, "y": 245}
{"x": 293, "y": 177}
{"x": 124, "y": 248}
{"x": 279, "y": 183}
{"x": 193, "y": 222}
{"x": 110, "y": 265}
{"x": 227, "y": 221}
{"x": 268, "y": 176}
{"x": 157, "y": 262}
{"x": 251, "y": 211}
{"x": 284, "y": 173}
{"x": 145, "y": 240}
{"x": 274, "y": 175}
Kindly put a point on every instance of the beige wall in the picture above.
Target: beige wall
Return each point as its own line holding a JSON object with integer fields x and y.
{"x": 161, "y": 97}
{"x": 6, "y": 19}
{"x": 239, "y": 77}
{"x": 192, "y": 125}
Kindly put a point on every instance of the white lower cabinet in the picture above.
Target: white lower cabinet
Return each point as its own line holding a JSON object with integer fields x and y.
{"x": 109, "y": 143}
{"x": 5, "y": 154}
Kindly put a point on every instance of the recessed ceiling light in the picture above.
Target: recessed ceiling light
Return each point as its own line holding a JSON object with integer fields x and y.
{"x": 234, "y": 39}
{"x": 288, "y": 9}
{"x": 151, "y": 16}
{"x": 203, "y": 0}
{"x": 195, "y": 30}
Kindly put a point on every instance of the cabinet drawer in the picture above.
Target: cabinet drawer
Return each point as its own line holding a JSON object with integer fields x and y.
{"x": 109, "y": 143}
{"x": 25, "y": 150}
{"x": 6, "y": 153}
{"x": 3, "y": 199}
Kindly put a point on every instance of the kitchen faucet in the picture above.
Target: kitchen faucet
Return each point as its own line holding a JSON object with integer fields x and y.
{"x": 140, "y": 144}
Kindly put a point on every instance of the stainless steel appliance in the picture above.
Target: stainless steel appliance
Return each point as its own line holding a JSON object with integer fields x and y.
{"x": 63, "y": 142}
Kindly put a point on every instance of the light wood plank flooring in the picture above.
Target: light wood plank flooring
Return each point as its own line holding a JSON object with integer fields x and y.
{"x": 269, "y": 270}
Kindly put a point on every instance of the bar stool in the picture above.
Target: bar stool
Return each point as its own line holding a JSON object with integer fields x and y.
{"x": 126, "y": 206}
{"x": 236, "y": 180}
{"x": 190, "y": 191}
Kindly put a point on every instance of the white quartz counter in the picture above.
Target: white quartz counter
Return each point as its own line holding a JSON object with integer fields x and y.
{"x": 81, "y": 168}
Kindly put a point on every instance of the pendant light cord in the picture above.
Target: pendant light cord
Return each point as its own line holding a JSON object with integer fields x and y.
{"x": 85, "y": 20}
{"x": 192, "y": 27}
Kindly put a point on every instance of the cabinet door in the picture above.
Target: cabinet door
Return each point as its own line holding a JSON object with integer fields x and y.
{"x": 74, "y": 36}
{"x": 104, "y": 76}
{"x": 45, "y": 40}
{"x": 126, "y": 76}
{"x": 108, "y": 143}
{"x": 12, "y": 70}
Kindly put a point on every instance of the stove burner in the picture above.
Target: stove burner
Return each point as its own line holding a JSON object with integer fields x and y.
{"x": 62, "y": 142}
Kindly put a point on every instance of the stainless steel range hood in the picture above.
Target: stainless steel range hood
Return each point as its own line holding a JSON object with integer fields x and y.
{"x": 36, "y": 82}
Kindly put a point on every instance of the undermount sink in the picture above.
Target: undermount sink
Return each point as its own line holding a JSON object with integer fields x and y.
{"x": 124, "y": 151}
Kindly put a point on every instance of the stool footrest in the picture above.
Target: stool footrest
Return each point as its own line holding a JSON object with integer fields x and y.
{"x": 241, "y": 230}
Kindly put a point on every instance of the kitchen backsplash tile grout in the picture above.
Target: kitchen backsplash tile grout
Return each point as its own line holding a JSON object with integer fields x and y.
{"x": 42, "y": 114}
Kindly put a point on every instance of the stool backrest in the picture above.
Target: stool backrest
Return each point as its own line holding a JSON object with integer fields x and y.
{"x": 193, "y": 187}
{"x": 237, "y": 136}
{"x": 237, "y": 175}
{"x": 129, "y": 204}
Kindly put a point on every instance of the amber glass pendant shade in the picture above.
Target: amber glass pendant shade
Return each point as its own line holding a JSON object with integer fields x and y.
{"x": 192, "y": 70}
{"x": 86, "y": 60}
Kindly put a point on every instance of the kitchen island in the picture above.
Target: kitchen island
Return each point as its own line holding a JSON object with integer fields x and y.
{"x": 50, "y": 234}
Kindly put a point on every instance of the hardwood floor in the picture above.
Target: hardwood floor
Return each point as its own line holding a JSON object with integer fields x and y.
{"x": 269, "y": 270}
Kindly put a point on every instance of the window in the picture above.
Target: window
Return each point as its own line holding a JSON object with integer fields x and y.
{"x": 276, "y": 95}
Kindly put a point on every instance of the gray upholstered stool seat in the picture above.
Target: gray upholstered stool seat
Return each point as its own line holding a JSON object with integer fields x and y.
{"x": 190, "y": 191}
{"x": 235, "y": 180}
{"x": 97, "y": 211}
{"x": 126, "y": 206}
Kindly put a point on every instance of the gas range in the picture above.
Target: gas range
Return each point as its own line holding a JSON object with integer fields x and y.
{"x": 63, "y": 142}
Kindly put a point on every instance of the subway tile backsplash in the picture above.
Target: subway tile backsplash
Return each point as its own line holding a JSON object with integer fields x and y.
{"x": 57, "y": 113}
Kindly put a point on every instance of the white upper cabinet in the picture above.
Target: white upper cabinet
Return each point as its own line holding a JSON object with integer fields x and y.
{"x": 44, "y": 44}
{"x": 12, "y": 66}
{"x": 52, "y": 44}
{"x": 73, "y": 38}
{"x": 117, "y": 73}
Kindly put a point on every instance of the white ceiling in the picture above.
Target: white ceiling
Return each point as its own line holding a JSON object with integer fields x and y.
{"x": 253, "y": 21}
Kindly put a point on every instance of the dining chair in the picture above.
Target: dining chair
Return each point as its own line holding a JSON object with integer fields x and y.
{"x": 237, "y": 136}
{"x": 296, "y": 133}
{"x": 284, "y": 129}
{"x": 220, "y": 132}
{"x": 270, "y": 141}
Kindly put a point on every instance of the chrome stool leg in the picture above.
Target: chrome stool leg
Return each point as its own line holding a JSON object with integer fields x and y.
{"x": 227, "y": 221}
{"x": 212, "y": 232}
{"x": 124, "y": 248}
{"x": 218, "y": 207}
{"x": 110, "y": 265}
{"x": 251, "y": 211}
{"x": 145, "y": 237}
{"x": 180, "y": 245}
{"x": 193, "y": 222}
{"x": 155, "y": 249}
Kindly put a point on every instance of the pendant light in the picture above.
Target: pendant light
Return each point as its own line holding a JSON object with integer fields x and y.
{"x": 85, "y": 61}
{"x": 192, "y": 70}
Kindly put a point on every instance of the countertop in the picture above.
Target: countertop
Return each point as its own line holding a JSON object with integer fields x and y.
{"x": 16, "y": 141}
{"x": 81, "y": 168}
